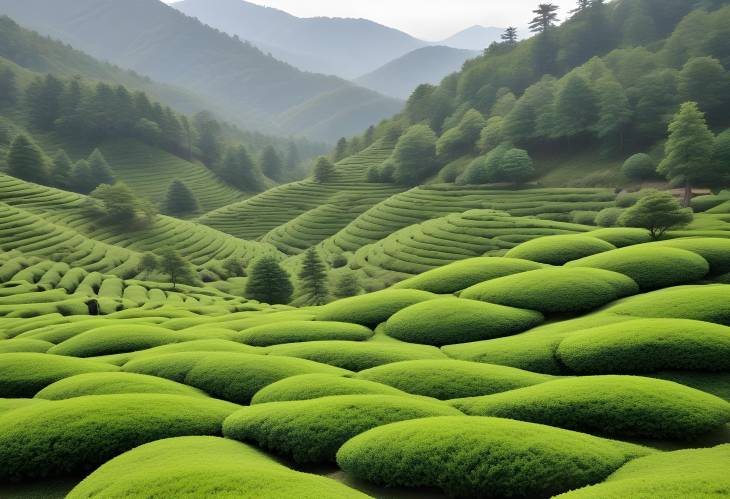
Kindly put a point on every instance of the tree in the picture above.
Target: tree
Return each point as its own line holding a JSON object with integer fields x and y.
{"x": 81, "y": 178}
{"x": 292, "y": 157}
{"x": 340, "y": 150}
{"x": 26, "y": 160}
{"x": 545, "y": 17}
{"x": 234, "y": 267}
{"x": 656, "y": 212}
{"x": 100, "y": 170}
{"x": 516, "y": 166}
{"x": 462, "y": 139}
{"x": 172, "y": 263}
{"x": 582, "y": 6}
{"x": 721, "y": 160}
{"x": 324, "y": 170}
{"x": 268, "y": 282}
{"x": 347, "y": 285}
{"x": 61, "y": 170}
{"x": 313, "y": 278}
{"x": 118, "y": 205}
{"x": 271, "y": 164}
{"x": 491, "y": 135}
{"x": 614, "y": 112}
{"x": 688, "y": 151}
{"x": 369, "y": 137}
{"x": 509, "y": 36}
{"x": 414, "y": 155}
{"x": 180, "y": 200}
{"x": 705, "y": 81}
{"x": 147, "y": 264}
{"x": 576, "y": 107}
{"x": 8, "y": 88}
{"x": 208, "y": 132}
{"x": 239, "y": 169}
{"x": 639, "y": 167}
{"x": 43, "y": 97}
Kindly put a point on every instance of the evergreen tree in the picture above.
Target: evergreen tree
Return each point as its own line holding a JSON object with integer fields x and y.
{"x": 208, "y": 132}
{"x": 61, "y": 170}
{"x": 414, "y": 155}
{"x": 172, "y": 263}
{"x": 324, "y": 170}
{"x": 147, "y": 264}
{"x": 71, "y": 121}
{"x": 340, "y": 150}
{"x": 509, "y": 36}
{"x": 369, "y": 137}
{"x": 582, "y": 6}
{"x": 180, "y": 200}
{"x": 100, "y": 170}
{"x": 44, "y": 101}
{"x": 546, "y": 15}
{"x": 240, "y": 170}
{"x": 576, "y": 107}
{"x": 313, "y": 278}
{"x": 8, "y": 88}
{"x": 271, "y": 164}
{"x": 26, "y": 160}
{"x": 347, "y": 285}
{"x": 268, "y": 282}
{"x": 721, "y": 160}
{"x": 688, "y": 151}
{"x": 657, "y": 212}
{"x": 81, "y": 178}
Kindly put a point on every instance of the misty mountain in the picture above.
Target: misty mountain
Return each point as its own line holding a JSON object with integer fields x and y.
{"x": 344, "y": 47}
{"x": 400, "y": 77}
{"x": 474, "y": 38}
{"x": 156, "y": 40}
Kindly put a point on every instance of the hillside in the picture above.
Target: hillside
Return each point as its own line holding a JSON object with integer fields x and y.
{"x": 159, "y": 41}
{"x": 474, "y": 38}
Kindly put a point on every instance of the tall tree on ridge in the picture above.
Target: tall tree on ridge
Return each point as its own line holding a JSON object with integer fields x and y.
{"x": 8, "y": 88}
{"x": 26, "y": 160}
{"x": 509, "y": 36}
{"x": 313, "y": 278}
{"x": 268, "y": 282}
{"x": 546, "y": 47}
{"x": 545, "y": 18}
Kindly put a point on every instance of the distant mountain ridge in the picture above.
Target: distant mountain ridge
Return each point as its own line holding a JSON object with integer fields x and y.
{"x": 474, "y": 38}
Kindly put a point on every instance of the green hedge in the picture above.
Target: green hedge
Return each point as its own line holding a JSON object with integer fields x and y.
{"x": 24, "y": 345}
{"x": 715, "y": 250}
{"x": 311, "y": 431}
{"x": 615, "y": 406}
{"x": 312, "y": 386}
{"x": 215, "y": 345}
{"x": 301, "y": 331}
{"x": 116, "y": 339}
{"x": 557, "y": 250}
{"x": 483, "y": 457}
{"x": 114, "y": 383}
{"x": 372, "y": 309}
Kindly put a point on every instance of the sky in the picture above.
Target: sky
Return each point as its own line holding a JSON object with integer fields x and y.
{"x": 431, "y": 20}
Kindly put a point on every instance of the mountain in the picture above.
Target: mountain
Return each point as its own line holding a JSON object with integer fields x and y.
{"x": 344, "y": 47}
{"x": 161, "y": 42}
{"x": 400, "y": 77}
{"x": 474, "y": 38}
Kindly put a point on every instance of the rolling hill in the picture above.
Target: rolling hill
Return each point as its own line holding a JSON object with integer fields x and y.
{"x": 473, "y": 38}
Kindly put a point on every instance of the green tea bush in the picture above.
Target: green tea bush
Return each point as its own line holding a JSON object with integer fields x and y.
{"x": 312, "y": 386}
{"x": 555, "y": 290}
{"x": 228, "y": 376}
{"x": 557, "y": 250}
{"x": 116, "y": 339}
{"x": 24, "y": 345}
{"x": 215, "y": 345}
{"x": 621, "y": 236}
{"x": 608, "y": 217}
{"x": 616, "y": 406}
{"x": 456, "y": 320}
{"x": 647, "y": 345}
{"x": 462, "y": 274}
{"x": 356, "y": 356}
{"x": 76, "y": 435}
{"x": 311, "y": 431}
{"x": 483, "y": 457}
{"x": 24, "y": 374}
{"x": 302, "y": 331}
{"x": 715, "y": 250}
{"x": 650, "y": 267}
{"x": 583, "y": 217}
{"x": 450, "y": 379}
{"x": 204, "y": 467}
{"x": 373, "y": 308}
{"x": 696, "y": 473}
{"x": 12, "y": 404}
{"x": 114, "y": 383}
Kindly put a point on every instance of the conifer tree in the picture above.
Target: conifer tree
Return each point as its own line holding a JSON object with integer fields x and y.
{"x": 8, "y": 88}
{"x": 546, "y": 15}
{"x": 509, "y": 36}
{"x": 100, "y": 170}
{"x": 61, "y": 170}
{"x": 324, "y": 170}
{"x": 43, "y": 98}
{"x": 240, "y": 170}
{"x": 313, "y": 278}
{"x": 180, "y": 200}
{"x": 347, "y": 285}
{"x": 582, "y": 5}
{"x": 271, "y": 164}
{"x": 268, "y": 282}
{"x": 81, "y": 179}
{"x": 369, "y": 137}
{"x": 340, "y": 150}
{"x": 26, "y": 160}
{"x": 172, "y": 263}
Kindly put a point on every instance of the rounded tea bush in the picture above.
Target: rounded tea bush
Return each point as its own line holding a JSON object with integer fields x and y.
{"x": 555, "y": 290}
{"x": 12, "y": 404}
{"x": 203, "y": 467}
{"x": 373, "y": 308}
{"x": 556, "y": 250}
{"x": 469, "y": 456}
{"x": 646, "y": 346}
{"x": 616, "y": 406}
{"x": 116, "y": 339}
{"x": 114, "y": 383}
{"x": 462, "y": 274}
{"x": 449, "y": 379}
{"x": 455, "y": 320}
{"x": 311, "y": 431}
{"x": 312, "y": 386}
{"x": 24, "y": 374}
{"x": 713, "y": 249}
{"x": 302, "y": 331}
{"x": 651, "y": 267}
{"x": 621, "y": 236}
{"x": 24, "y": 345}
{"x": 76, "y": 435}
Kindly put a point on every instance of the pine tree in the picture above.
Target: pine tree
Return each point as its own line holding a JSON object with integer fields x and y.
{"x": 240, "y": 170}
{"x": 340, "y": 150}
{"x": 268, "y": 282}
{"x": 208, "y": 133}
{"x": 8, "y": 88}
{"x": 545, "y": 18}
{"x": 582, "y": 5}
{"x": 324, "y": 170}
{"x": 313, "y": 278}
{"x": 100, "y": 170}
{"x": 176, "y": 267}
{"x": 61, "y": 170}
{"x": 509, "y": 36}
{"x": 180, "y": 200}
{"x": 369, "y": 137}
{"x": 81, "y": 178}
{"x": 688, "y": 151}
{"x": 271, "y": 164}
{"x": 44, "y": 101}
{"x": 26, "y": 160}
{"x": 347, "y": 285}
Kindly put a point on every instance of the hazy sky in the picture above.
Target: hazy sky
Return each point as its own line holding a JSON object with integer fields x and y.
{"x": 427, "y": 19}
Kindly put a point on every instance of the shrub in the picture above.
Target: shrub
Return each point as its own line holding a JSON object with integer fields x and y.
{"x": 114, "y": 383}
{"x": 311, "y": 431}
{"x": 556, "y": 290}
{"x": 646, "y": 346}
{"x": 657, "y": 212}
{"x": 621, "y": 236}
{"x": 229, "y": 376}
{"x": 584, "y": 217}
{"x": 77, "y": 435}
{"x": 715, "y": 250}
{"x": 473, "y": 456}
{"x": 639, "y": 167}
{"x": 455, "y": 320}
{"x": 214, "y": 345}
{"x": 650, "y": 267}
{"x": 462, "y": 274}
{"x": 12, "y": 404}
{"x": 373, "y": 308}
{"x": 24, "y": 374}
{"x": 312, "y": 386}
{"x": 619, "y": 406}
{"x": 302, "y": 331}
{"x": 627, "y": 199}
{"x": 608, "y": 217}
{"x": 448, "y": 379}
{"x": 204, "y": 467}
{"x": 116, "y": 339}
{"x": 24, "y": 345}
{"x": 356, "y": 356}
{"x": 557, "y": 250}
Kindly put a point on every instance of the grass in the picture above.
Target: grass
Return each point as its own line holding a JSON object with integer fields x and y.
{"x": 558, "y": 250}
{"x": 483, "y": 457}
{"x": 303, "y": 331}
{"x": 311, "y": 431}
{"x": 111, "y": 383}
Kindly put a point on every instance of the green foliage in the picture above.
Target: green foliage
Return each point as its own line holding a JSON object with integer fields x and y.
{"x": 557, "y": 250}
{"x": 172, "y": 263}
{"x": 576, "y": 107}
{"x": 39, "y": 442}
{"x": 639, "y": 167}
{"x": 346, "y": 285}
{"x": 313, "y": 386}
{"x": 82, "y": 385}
{"x": 118, "y": 205}
{"x": 302, "y": 331}
{"x": 414, "y": 155}
{"x": 311, "y": 431}
{"x": 234, "y": 267}
{"x": 324, "y": 170}
{"x": 465, "y": 456}
{"x": 608, "y": 217}
{"x": 453, "y": 320}
{"x": 705, "y": 81}
{"x": 26, "y": 160}
{"x": 461, "y": 139}
{"x": 313, "y": 278}
{"x": 61, "y": 170}
{"x": 147, "y": 264}
{"x": 617, "y": 406}
{"x": 100, "y": 170}
{"x": 715, "y": 250}
{"x": 239, "y": 169}
{"x": 271, "y": 164}
{"x": 180, "y": 200}
{"x": 656, "y": 212}
{"x": 268, "y": 282}
{"x": 116, "y": 339}
{"x": 373, "y": 308}
{"x": 516, "y": 167}
{"x": 449, "y": 379}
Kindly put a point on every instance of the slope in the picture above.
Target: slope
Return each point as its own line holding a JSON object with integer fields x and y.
{"x": 473, "y": 38}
